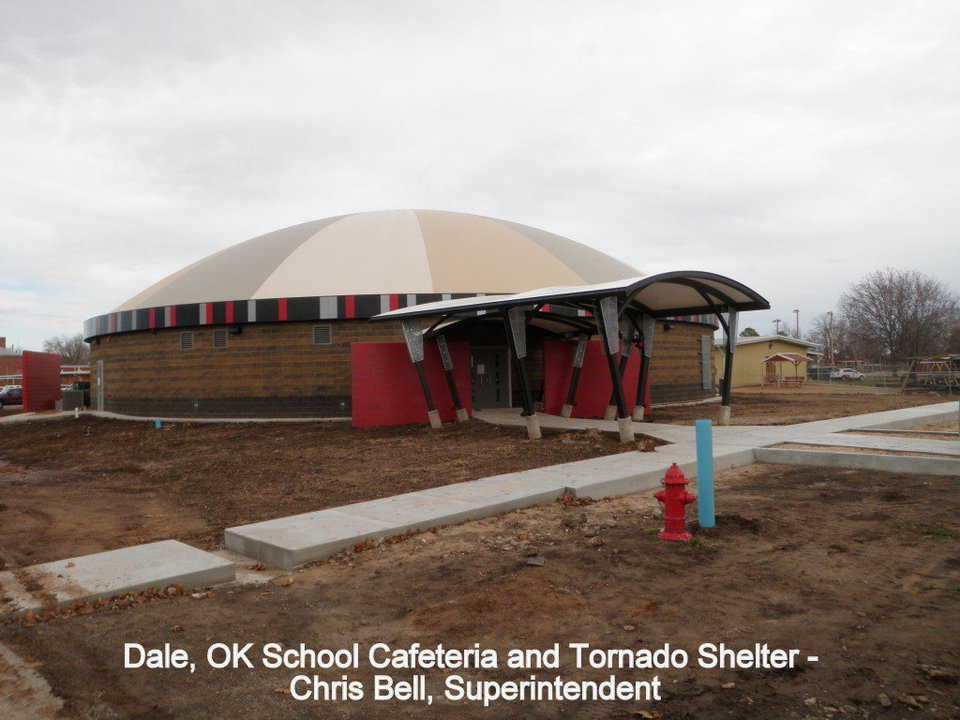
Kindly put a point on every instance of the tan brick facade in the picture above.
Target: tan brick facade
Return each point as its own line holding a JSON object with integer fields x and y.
{"x": 266, "y": 369}
{"x": 675, "y": 375}
{"x": 274, "y": 369}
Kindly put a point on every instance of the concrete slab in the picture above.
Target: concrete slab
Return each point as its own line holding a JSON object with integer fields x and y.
{"x": 289, "y": 542}
{"x": 880, "y": 442}
{"x": 115, "y": 572}
{"x": 911, "y": 464}
{"x": 505, "y": 493}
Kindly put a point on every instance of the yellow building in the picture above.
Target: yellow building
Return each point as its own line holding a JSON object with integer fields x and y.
{"x": 749, "y": 367}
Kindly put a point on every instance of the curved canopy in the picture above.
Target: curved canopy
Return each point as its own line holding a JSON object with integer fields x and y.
{"x": 670, "y": 294}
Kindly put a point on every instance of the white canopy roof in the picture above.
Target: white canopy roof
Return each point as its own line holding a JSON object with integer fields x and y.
{"x": 682, "y": 292}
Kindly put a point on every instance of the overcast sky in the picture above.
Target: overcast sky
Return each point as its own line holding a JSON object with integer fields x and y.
{"x": 791, "y": 145}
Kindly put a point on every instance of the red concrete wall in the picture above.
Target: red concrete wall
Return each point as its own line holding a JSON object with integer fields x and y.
{"x": 594, "y": 389}
{"x": 386, "y": 390}
{"x": 41, "y": 381}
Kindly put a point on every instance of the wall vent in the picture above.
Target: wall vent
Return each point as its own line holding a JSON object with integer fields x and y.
{"x": 220, "y": 338}
{"x": 322, "y": 335}
{"x": 186, "y": 341}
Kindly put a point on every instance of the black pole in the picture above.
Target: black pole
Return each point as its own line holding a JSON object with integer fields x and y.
{"x": 578, "y": 356}
{"x": 642, "y": 381}
{"x": 414, "y": 339}
{"x": 447, "y": 362}
{"x": 725, "y": 389}
{"x": 612, "y": 364}
{"x": 521, "y": 367}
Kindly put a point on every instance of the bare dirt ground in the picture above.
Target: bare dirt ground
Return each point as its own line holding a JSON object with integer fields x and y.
{"x": 859, "y": 568}
{"x": 755, "y": 406}
{"x": 72, "y": 487}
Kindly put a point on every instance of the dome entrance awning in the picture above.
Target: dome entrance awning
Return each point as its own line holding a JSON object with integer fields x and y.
{"x": 671, "y": 294}
{"x": 621, "y": 312}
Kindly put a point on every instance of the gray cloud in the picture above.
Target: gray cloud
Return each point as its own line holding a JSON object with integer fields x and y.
{"x": 794, "y": 146}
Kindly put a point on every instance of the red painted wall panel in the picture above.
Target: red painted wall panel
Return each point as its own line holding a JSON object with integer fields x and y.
{"x": 594, "y": 389}
{"x": 386, "y": 390}
{"x": 41, "y": 381}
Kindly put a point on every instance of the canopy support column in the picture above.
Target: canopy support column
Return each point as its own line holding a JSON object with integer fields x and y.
{"x": 640, "y": 409}
{"x": 731, "y": 329}
{"x": 578, "y": 356}
{"x": 447, "y": 363}
{"x": 608, "y": 319}
{"x": 627, "y": 345}
{"x": 516, "y": 327}
{"x": 414, "y": 339}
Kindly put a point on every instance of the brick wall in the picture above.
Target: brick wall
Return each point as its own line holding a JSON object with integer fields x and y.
{"x": 675, "y": 375}
{"x": 386, "y": 389}
{"x": 10, "y": 364}
{"x": 41, "y": 381}
{"x": 273, "y": 369}
{"x": 594, "y": 388}
{"x": 268, "y": 369}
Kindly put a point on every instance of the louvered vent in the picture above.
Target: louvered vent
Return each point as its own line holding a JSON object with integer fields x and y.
{"x": 322, "y": 335}
{"x": 186, "y": 341}
{"x": 219, "y": 338}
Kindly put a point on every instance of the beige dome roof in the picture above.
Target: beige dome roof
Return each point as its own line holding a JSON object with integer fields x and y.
{"x": 390, "y": 251}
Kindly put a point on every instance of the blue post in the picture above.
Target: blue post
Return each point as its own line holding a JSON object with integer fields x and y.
{"x": 705, "y": 511}
{"x": 157, "y": 424}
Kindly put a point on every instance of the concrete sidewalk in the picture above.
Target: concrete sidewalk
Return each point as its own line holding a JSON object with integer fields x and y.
{"x": 292, "y": 541}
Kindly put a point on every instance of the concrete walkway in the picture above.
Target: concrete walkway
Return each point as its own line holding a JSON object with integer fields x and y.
{"x": 292, "y": 541}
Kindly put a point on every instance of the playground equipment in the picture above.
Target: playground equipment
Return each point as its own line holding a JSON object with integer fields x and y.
{"x": 938, "y": 373}
{"x": 675, "y": 499}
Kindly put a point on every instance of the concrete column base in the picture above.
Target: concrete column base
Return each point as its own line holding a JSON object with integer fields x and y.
{"x": 434, "y": 417}
{"x": 610, "y": 413}
{"x": 567, "y": 410}
{"x": 533, "y": 427}
{"x": 638, "y": 413}
{"x": 625, "y": 425}
{"x": 462, "y": 415}
{"x": 724, "y": 418}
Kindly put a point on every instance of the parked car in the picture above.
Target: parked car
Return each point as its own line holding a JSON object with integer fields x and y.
{"x": 846, "y": 374}
{"x": 11, "y": 395}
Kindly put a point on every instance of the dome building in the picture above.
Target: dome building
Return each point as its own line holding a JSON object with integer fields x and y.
{"x": 271, "y": 327}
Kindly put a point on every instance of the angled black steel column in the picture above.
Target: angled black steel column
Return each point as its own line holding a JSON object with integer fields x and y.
{"x": 578, "y": 356}
{"x": 728, "y": 368}
{"x": 608, "y": 318}
{"x": 640, "y": 409}
{"x": 413, "y": 336}
{"x": 447, "y": 362}
{"x": 627, "y": 337}
{"x": 516, "y": 326}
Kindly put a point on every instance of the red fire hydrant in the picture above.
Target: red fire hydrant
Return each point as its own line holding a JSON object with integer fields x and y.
{"x": 675, "y": 499}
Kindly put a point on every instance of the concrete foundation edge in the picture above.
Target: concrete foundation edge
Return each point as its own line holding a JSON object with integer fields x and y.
{"x": 910, "y": 464}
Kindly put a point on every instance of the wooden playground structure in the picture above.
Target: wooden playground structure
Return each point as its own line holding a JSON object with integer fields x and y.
{"x": 941, "y": 372}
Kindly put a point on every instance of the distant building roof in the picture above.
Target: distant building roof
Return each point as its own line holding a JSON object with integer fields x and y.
{"x": 771, "y": 338}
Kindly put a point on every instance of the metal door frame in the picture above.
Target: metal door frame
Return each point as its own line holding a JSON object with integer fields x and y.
{"x": 506, "y": 352}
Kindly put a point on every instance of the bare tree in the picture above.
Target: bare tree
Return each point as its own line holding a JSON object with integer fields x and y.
{"x": 831, "y": 332}
{"x": 71, "y": 349}
{"x": 894, "y": 314}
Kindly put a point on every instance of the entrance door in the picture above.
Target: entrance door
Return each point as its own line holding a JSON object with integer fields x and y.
{"x": 490, "y": 377}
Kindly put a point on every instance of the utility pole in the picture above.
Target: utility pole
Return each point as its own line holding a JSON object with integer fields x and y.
{"x": 777, "y": 324}
{"x": 797, "y": 315}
